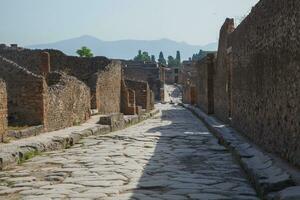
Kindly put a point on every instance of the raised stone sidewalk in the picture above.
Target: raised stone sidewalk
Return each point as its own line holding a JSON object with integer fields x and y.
{"x": 17, "y": 151}
{"x": 270, "y": 180}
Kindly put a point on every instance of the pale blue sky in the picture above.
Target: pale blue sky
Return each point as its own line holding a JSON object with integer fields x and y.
{"x": 41, "y": 21}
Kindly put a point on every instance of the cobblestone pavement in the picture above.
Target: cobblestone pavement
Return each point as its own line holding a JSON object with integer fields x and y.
{"x": 172, "y": 156}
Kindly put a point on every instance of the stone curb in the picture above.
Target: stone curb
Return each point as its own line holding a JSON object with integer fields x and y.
{"x": 12, "y": 157}
{"x": 267, "y": 177}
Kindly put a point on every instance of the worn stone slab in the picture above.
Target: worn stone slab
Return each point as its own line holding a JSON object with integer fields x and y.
{"x": 15, "y": 152}
{"x": 170, "y": 156}
{"x": 263, "y": 172}
{"x": 290, "y": 193}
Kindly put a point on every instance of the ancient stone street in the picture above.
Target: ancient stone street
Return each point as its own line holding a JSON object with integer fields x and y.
{"x": 171, "y": 156}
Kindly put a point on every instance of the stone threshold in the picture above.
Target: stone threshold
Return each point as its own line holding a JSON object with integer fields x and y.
{"x": 17, "y": 151}
{"x": 271, "y": 180}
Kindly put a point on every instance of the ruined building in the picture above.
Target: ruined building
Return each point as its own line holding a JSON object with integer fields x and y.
{"x": 50, "y": 99}
{"x": 205, "y": 83}
{"x": 48, "y": 90}
{"x": 152, "y": 73}
{"x": 254, "y": 82}
{"x": 98, "y": 73}
{"x": 188, "y": 80}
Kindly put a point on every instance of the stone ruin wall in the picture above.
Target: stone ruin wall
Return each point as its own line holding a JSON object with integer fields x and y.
{"x": 102, "y": 76}
{"x": 26, "y": 93}
{"x": 128, "y": 104}
{"x": 3, "y": 110}
{"x": 68, "y": 101}
{"x": 50, "y": 100}
{"x": 92, "y": 71}
{"x": 148, "y": 74}
{"x": 266, "y": 77}
{"x": 205, "y": 83}
{"x": 221, "y": 81}
{"x": 142, "y": 93}
{"x": 81, "y": 68}
{"x": 189, "y": 81}
{"x": 108, "y": 92}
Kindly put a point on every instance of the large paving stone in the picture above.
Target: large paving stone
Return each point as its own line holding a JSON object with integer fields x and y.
{"x": 158, "y": 159}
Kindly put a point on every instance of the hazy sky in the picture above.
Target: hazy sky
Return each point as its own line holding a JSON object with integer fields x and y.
{"x": 41, "y": 21}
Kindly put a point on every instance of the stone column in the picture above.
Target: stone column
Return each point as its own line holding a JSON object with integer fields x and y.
{"x": 45, "y": 63}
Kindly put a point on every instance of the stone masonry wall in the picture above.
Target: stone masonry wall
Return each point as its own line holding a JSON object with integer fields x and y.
{"x": 108, "y": 92}
{"x": 87, "y": 70}
{"x": 205, "y": 83}
{"x": 222, "y": 72}
{"x": 26, "y": 93}
{"x": 150, "y": 74}
{"x": 82, "y": 68}
{"x": 68, "y": 101}
{"x": 266, "y": 77}
{"x": 3, "y": 110}
{"x": 142, "y": 93}
{"x": 128, "y": 105}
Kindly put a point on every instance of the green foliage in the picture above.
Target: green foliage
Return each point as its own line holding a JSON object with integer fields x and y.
{"x": 178, "y": 57}
{"x": 161, "y": 59}
{"x": 85, "y": 52}
{"x": 153, "y": 58}
{"x": 171, "y": 61}
{"x": 199, "y": 56}
{"x": 175, "y": 62}
{"x": 142, "y": 57}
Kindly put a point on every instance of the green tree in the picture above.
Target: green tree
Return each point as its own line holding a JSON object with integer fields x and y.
{"x": 153, "y": 58}
{"x": 171, "y": 61}
{"x": 142, "y": 57}
{"x": 161, "y": 59}
{"x": 85, "y": 52}
{"x": 178, "y": 59}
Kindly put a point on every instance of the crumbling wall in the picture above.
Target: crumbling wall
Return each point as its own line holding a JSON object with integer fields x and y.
{"x": 82, "y": 68}
{"x": 26, "y": 94}
{"x": 128, "y": 105}
{"x": 68, "y": 101}
{"x": 266, "y": 77}
{"x": 146, "y": 72}
{"x": 222, "y": 73}
{"x": 91, "y": 71}
{"x": 142, "y": 93}
{"x": 3, "y": 110}
{"x": 28, "y": 59}
{"x": 108, "y": 91}
{"x": 205, "y": 83}
{"x": 189, "y": 81}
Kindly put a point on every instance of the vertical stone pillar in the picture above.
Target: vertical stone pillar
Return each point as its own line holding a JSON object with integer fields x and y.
{"x": 45, "y": 63}
{"x": 3, "y": 111}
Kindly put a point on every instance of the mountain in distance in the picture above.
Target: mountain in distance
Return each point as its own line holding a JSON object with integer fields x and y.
{"x": 126, "y": 49}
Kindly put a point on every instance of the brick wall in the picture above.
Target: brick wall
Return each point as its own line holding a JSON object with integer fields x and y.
{"x": 26, "y": 94}
{"x": 3, "y": 110}
{"x": 142, "y": 93}
{"x": 68, "y": 101}
{"x": 205, "y": 83}
{"x": 222, "y": 72}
